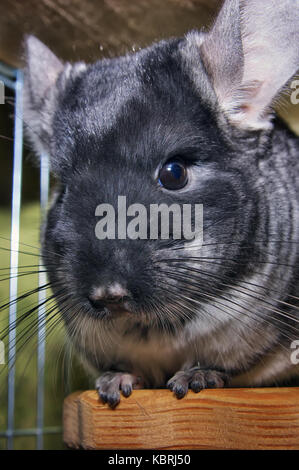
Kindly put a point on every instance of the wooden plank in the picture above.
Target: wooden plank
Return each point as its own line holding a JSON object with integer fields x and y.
{"x": 94, "y": 29}
{"x": 260, "y": 418}
{"x": 71, "y": 419}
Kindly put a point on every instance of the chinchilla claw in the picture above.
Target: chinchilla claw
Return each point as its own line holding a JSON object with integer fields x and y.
{"x": 110, "y": 384}
{"x": 196, "y": 379}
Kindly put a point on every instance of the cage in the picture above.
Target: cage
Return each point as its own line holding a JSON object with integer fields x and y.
{"x": 13, "y": 80}
{"x": 20, "y": 429}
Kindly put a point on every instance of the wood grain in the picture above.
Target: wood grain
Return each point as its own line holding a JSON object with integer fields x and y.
{"x": 89, "y": 30}
{"x": 94, "y": 29}
{"x": 264, "y": 418}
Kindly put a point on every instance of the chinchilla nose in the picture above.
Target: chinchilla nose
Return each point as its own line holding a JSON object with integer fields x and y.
{"x": 108, "y": 296}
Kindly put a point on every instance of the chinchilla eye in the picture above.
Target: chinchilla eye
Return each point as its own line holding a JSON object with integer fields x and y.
{"x": 173, "y": 175}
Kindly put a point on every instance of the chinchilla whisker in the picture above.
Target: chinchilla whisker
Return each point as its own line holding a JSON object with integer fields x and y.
{"x": 21, "y": 243}
{"x": 22, "y": 312}
{"x": 5, "y": 137}
{"x": 29, "y": 253}
{"x": 22, "y": 341}
{"x": 22, "y": 274}
{"x": 218, "y": 322}
{"x": 238, "y": 243}
{"x": 273, "y": 309}
{"x": 193, "y": 292}
{"x": 28, "y": 294}
{"x": 225, "y": 311}
{"x": 260, "y": 299}
{"x": 61, "y": 353}
{"x": 11, "y": 139}
{"x": 20, "y": 251}
{"x": 40, "y": 255}
{"x": 30, "y": 329}
{"x": 159, "y": 316}
{"x": 239, "y": 287}
{"x": 48, "y": 321}
{"x": 25, "y": 273}
{"x": 173, "y": 316}
{"x": 207, "y": 293}
{"x": 167, "y": 287}
{"x": 38, "y": 248}
{"x": 57, "y": 315}
{"x": 228, "y": 313}
{"x": 33, "y": 334}
{"x": 25, "y": 316}
{"x": 25, "y": 295}
{"x": 242, "y": 249}
{"x": 186, "y": 315}
{"x": 82, "y": 329}
{"x": 25, "y": 266}
{"x": 293, "y": 297}
{"x": 39, "y": 266}
{"x": 29, "y": 333}
{"x": 212, "y": 259}
{"x": 199, "y": 260}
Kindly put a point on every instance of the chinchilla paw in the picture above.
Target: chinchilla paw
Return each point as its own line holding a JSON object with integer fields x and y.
{"x": 110, "y": 384}
{"x": 197, "y": 379}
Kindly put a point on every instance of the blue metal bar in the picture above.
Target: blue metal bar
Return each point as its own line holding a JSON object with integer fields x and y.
{"x": 42, "y": 295}
{"x": 14, "y": 256}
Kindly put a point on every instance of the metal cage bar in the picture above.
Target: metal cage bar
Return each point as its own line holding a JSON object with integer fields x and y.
{"x": 44, "y": 196}
{"x": 14, "y": 246}
{"x": 13, "y": 79}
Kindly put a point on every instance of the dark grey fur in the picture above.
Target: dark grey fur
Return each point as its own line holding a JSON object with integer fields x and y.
{"x": 223, "y": 314}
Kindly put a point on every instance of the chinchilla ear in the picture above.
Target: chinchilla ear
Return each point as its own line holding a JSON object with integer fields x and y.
{"x": 250, "y": 54}
{"x": 39, "y": 97}
{"x": 45, "y": 76}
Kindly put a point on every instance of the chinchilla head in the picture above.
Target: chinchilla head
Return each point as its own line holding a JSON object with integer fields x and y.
{"x": 186, "y": 121}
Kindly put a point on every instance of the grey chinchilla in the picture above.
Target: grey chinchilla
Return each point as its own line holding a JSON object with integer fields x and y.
{"x": 184, "y": 121}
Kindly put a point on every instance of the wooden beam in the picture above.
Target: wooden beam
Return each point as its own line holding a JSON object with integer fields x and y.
{"x": 93, "y": 29}
{"x": 260, "y": 418}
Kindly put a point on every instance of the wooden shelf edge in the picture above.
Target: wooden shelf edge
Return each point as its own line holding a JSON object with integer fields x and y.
{"x": 256, "y": 418}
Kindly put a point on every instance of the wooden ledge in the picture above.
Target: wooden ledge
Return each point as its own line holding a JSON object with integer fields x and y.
{"x": 260, "y": 418}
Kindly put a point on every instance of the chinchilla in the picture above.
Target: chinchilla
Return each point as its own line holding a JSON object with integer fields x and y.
{"x": 186, "y": 121}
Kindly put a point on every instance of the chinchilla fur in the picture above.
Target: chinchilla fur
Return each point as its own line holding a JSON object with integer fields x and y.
{"x": 189, "y": 316}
